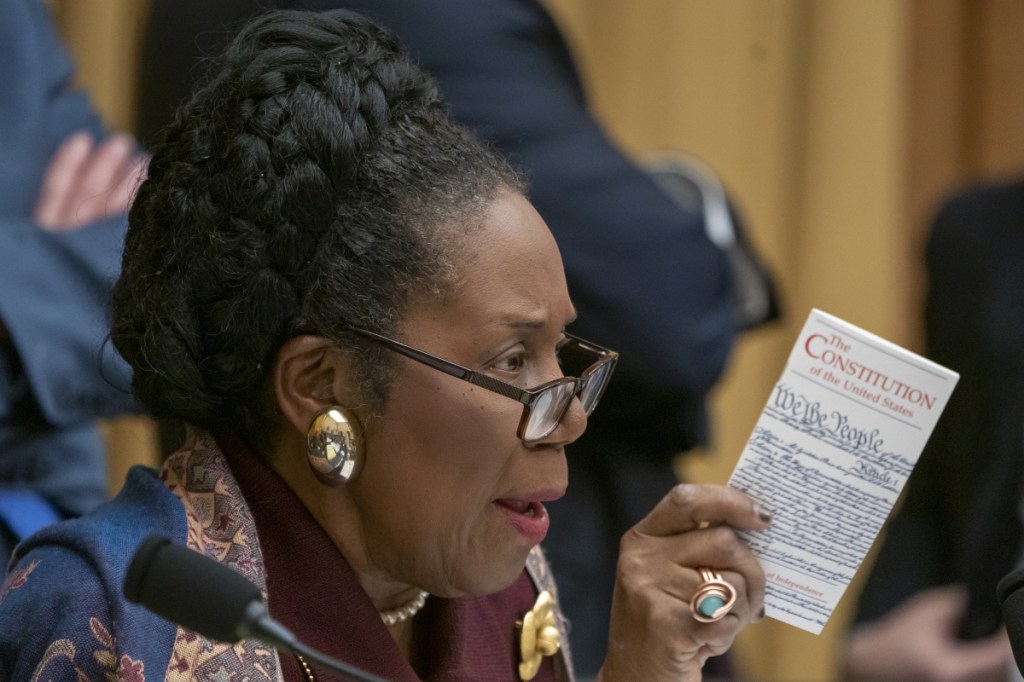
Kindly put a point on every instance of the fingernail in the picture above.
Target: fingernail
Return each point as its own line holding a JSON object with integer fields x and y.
{"x": 761, "y": 513}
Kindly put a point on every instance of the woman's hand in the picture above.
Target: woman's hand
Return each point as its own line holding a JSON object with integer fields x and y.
{"x": 653, "y": 634}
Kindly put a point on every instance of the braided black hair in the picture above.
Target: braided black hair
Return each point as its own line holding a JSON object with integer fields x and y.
{"x": 313, "y": 183}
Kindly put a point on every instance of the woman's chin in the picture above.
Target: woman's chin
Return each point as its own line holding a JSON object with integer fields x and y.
{"x": 490, "y": 579}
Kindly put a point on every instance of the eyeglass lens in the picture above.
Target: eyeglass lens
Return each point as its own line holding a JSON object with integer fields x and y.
{"x": 594, "y": 386}
{"x": 550, "y": 405}
{"x": 548, "y": 410}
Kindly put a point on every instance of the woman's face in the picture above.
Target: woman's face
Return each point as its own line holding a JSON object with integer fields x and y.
{"x": 449, "y": 498}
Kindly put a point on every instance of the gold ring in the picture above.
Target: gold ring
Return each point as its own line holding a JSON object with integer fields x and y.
{"x": 714, "y": 597}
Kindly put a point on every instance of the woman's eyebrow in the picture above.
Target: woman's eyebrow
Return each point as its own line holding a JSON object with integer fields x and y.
{"x": 531, "y": 318}
{"x": 530, "y": 322}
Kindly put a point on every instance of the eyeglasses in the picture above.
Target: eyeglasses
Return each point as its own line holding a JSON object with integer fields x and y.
{"x": 543, "y": 406}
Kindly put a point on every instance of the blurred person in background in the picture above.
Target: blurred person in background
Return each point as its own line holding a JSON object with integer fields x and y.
{"x": 928, "y": 610}
{"x": 65, "y": 185}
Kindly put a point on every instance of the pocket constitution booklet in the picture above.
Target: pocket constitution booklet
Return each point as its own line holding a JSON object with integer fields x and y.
{"x": 829, "y": 455}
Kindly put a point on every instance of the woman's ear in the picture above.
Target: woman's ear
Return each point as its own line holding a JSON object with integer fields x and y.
{"x": 306, "y": 376}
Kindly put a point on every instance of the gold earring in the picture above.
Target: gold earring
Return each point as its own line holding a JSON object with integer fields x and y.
{"x": 334, "y": 445}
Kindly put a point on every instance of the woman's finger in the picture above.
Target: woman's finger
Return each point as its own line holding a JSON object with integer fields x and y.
{"x": 672, "y": 566}
{"x": 690, "y": 506}
{"x": 685, "y": 583}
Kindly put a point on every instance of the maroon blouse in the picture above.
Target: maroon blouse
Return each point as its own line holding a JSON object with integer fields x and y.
{"x": 314, "y": 592}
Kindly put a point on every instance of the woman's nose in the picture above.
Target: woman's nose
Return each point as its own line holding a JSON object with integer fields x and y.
{"x": 570, "y": 427}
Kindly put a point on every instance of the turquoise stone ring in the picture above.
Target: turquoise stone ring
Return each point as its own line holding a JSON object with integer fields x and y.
{"x": 708, "y": 605}
{"x": 713, "y": 598}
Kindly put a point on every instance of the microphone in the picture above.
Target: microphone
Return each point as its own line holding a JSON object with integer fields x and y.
{"x": 201, "y": 594}
{"x": 1011, "y": 603}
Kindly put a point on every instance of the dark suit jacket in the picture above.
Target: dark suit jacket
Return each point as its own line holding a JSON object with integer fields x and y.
{"x": 645, "y": 277}
{"x": 960, "y": 521}
{"x": 56, "y": 375}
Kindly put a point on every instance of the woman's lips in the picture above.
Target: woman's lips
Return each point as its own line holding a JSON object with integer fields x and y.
{"x": 529, "y": 518}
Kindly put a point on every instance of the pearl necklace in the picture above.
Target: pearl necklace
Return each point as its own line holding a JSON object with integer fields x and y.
{"x": 390, "y": 617}
{"x": 406, "y": 610}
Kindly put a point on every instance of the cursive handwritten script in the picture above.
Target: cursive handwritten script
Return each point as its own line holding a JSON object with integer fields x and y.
{"x": 829, "y": 461}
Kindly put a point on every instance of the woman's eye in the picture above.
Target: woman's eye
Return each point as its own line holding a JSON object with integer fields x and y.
{"x": 510, "y": 363}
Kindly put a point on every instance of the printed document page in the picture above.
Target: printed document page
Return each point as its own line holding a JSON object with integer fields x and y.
{"x": 829, "y": 455}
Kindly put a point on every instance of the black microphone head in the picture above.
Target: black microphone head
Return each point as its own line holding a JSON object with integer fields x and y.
{"x": 1011, "y": 603}
{"x": 190, "y": 589}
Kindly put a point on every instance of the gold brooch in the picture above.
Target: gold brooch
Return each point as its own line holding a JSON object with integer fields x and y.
{"x": 538, "y": 637}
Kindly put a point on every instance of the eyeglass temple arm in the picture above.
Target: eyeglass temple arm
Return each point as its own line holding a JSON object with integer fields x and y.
{"x": 497, "y": 386}
{"x": 446, "y": 366}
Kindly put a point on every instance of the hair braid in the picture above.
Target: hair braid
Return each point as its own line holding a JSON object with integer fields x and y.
{"x": 311, "y": 184}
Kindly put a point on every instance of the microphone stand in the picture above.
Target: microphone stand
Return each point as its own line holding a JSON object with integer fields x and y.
{"x": 221, "y": 604}
{"x": 259, "y": 625}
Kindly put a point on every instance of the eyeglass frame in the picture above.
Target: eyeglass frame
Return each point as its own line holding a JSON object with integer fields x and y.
{"x": 527, "y": 396}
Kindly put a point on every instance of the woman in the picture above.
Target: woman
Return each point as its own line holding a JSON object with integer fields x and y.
{"x": 351, "y": 302}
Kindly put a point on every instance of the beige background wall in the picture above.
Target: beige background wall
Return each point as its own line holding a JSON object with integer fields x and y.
{"x": 836, "y": 124}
